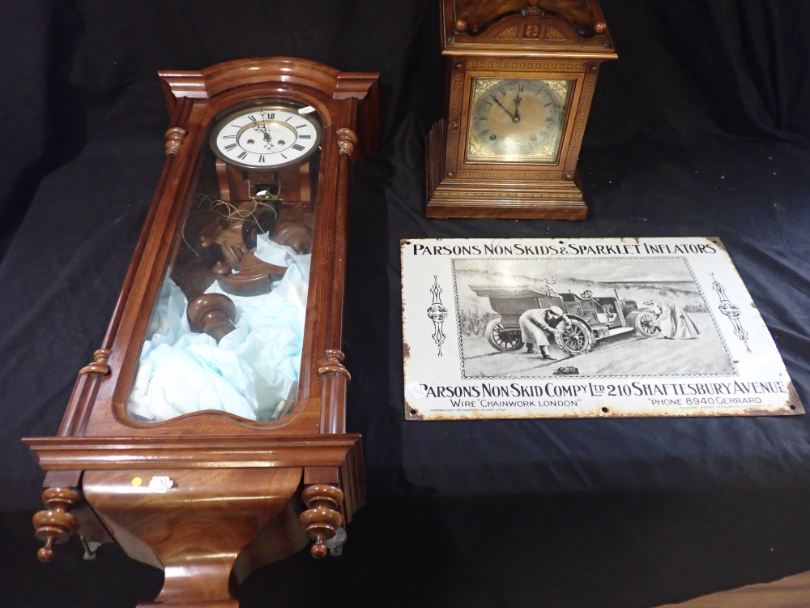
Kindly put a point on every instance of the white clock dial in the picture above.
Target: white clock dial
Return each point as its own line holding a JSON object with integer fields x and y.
{"x": 266, "y": 136}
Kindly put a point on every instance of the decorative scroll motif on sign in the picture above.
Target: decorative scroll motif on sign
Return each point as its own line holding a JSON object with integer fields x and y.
{"x": 437, "y": 313}
{"x": 732, "y": 311}
{"x": 509, "y": 33}
{"x": 531, "y": 31}
{"x": 552, "y": 33}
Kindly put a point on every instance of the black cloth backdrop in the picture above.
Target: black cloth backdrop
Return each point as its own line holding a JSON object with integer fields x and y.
{"x": 700, "y": 128}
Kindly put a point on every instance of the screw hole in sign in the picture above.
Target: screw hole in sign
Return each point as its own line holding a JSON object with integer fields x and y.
{"x": 605, "y": 410}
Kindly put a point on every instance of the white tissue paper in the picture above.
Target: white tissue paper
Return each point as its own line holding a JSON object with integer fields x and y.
{"x": 252, "y": 369}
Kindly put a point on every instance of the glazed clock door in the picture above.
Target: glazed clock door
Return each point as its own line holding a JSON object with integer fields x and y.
{"x": 226, "y": 332}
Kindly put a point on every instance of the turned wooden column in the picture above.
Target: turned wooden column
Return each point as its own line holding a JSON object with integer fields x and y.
{"x": 55, "y": 524}
{"x": 333, "y": 373}
{"x": 322, "y": 519}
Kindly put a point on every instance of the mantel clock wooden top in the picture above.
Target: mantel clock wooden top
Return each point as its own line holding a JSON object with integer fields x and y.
{"x": 522, "y": 27}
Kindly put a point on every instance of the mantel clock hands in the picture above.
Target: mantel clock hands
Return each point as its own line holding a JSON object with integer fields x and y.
{"x": 512, "y": 116}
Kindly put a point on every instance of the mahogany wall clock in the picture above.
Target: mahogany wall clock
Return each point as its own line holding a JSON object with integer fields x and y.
{"x": 208, "y": 436}
{"x": 519, "y": 85}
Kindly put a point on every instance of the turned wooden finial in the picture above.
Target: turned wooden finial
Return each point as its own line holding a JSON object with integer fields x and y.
{"x": 55, "y": 525}
{"x": 461, "y": 25}
{"x": 534, "y": 8}
{"x": 213, "y": 314}
{"x": 174, "y": 137}
{"x": 99, "y": 364}
{"x": 333, "y": 364}
{"x": 322, "y": 519}
{"x": 347, "y": 141}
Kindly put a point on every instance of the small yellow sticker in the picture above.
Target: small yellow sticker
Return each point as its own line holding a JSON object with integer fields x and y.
{"x": 136, "y": 481}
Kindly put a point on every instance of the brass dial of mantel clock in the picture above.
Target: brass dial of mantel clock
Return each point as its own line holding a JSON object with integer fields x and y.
{"x": 521, "y": 76}
{"x": 215, "y": 407}
{"x": 517, "y": 120}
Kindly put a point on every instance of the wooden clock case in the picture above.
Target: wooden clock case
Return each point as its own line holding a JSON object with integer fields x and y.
{"x": 243, "y": 493}
{"x": 513, "y": 39}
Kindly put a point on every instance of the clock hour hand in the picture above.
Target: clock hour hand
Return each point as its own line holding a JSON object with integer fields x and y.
{"x": 505, "y": 110}
{"x": 516, "y": 117}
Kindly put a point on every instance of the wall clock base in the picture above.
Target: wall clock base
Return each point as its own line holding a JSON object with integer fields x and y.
{"x": 516, "y": 194}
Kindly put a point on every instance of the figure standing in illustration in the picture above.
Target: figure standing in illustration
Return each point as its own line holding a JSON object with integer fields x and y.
{"x": 537, "y": 323}
{"x": 673, "y": 321}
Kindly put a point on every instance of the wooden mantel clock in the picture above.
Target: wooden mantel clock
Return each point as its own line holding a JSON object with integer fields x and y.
{"x": 520, "y": 79}
{"x": 208, "y": 436}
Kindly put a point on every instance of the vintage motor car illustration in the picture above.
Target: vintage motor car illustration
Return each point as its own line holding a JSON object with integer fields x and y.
{"x": 584, "y": 327}
{"x": 592, "y": 318}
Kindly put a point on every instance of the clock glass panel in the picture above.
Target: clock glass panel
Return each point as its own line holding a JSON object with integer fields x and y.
{"x": 227, "y": 327}
{"x": 517, "y": 120}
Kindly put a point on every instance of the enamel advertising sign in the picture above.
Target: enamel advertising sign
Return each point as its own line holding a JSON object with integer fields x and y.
{"x": 557, "y": 328}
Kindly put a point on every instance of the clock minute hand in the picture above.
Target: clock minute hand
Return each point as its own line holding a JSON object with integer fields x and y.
{"x": 504, "y": 108}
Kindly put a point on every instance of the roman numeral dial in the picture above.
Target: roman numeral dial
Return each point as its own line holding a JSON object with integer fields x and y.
{"x": 517, "y": 120}
{"x": 266, "y": 136}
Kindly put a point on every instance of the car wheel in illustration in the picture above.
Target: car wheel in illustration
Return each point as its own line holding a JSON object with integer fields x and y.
{"x": 644, "y": 323}
{"x": 501, "y": 338}
{"x": 576, "y": 338}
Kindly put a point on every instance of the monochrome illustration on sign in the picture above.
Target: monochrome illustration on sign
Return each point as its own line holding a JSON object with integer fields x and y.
{"x": 584, "y": 328}
{"x": 606, "y": 316}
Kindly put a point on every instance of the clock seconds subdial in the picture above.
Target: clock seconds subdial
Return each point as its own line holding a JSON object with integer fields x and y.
{"x": 516, "y": 117}
{"x": 266, "y": 136}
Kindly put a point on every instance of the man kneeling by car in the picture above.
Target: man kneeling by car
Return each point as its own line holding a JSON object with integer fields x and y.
{"x": 536, "y": 323}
